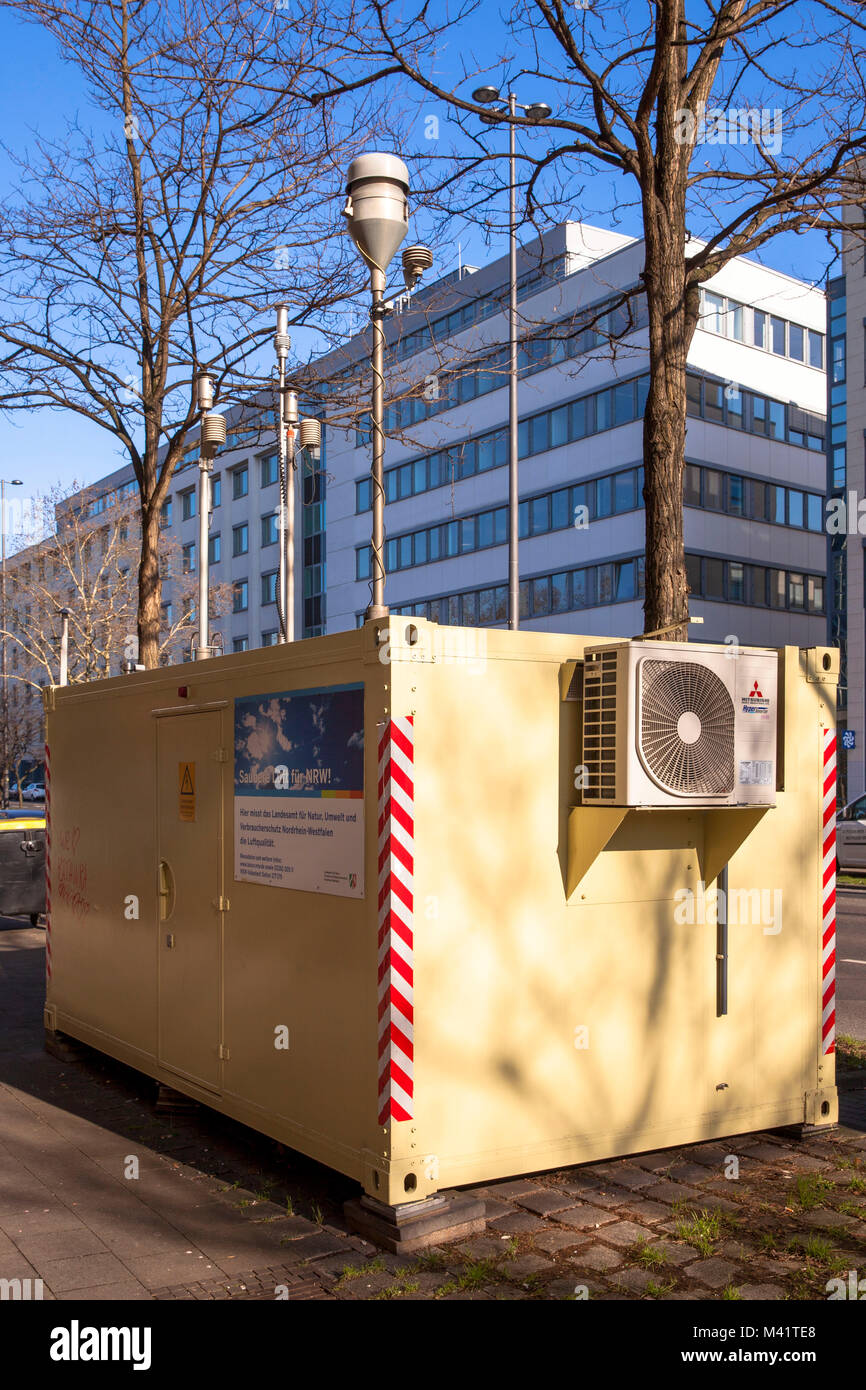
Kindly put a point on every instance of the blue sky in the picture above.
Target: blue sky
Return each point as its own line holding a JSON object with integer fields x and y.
{"x": 38, "y": 93}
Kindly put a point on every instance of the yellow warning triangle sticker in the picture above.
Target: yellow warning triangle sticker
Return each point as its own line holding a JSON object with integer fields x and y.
{"x": 186, "y": 786}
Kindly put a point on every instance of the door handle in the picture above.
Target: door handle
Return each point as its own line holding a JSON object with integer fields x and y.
{"x": 166, "y": 891}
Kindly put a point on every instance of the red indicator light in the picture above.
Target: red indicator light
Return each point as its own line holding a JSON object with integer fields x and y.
{"x": 182, "y": 692}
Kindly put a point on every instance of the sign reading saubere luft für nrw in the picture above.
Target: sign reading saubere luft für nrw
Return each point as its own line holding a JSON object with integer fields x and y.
{"x": 299, "y": 790}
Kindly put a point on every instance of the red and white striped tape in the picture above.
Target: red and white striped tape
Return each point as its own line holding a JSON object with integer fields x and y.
{"x": 396, "y": 805}
{"x": 828, "y": 933}
{"x": 47, "y": 862}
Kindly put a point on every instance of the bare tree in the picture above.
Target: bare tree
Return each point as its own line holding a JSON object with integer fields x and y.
{"x": 21, "y": 735}
{"x": 86, "y": 568}
{"x": 133, "y": 254}
{"x": 718, "y": 126}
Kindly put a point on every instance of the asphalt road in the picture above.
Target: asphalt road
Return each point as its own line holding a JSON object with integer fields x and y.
{"x": 851, "y": 961}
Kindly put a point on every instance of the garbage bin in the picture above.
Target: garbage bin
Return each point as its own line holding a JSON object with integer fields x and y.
{"x": 22, "y": 865}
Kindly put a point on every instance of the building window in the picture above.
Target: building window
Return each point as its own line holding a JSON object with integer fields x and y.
{"x": 270, "y": 534}
{"x": 269, "y": 470}
{"x": 187, "y": 505}
{"x": 240, "y": 644}
{"x": 240, "y": 596}
{"x": 269, "y": 639}
{"x": 216, "y": 488}
{"x": 240, "y": 481}
{"x": 240, "y": 539}
{"x": 269, "y": 587}
{"x": 188, "y": 558}
{"x": 165, "y": 513}
{"x": 214, "y": 549}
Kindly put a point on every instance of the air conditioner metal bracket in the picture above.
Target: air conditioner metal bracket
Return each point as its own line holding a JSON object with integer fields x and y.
{"x": 590, "y": 828}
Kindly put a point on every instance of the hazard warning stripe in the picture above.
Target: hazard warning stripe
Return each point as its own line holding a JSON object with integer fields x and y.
{"x": 828, "y": 933}
{"x": 47, "y": 862}
{"x": 396, "y": 844}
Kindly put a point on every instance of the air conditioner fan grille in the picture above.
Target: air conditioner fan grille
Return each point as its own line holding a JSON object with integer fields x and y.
{"x": 686, "y": 728}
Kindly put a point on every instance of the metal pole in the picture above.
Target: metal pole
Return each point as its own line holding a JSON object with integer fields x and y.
{"x": 722, "y": 943}
{"x": 288, "y": 556}
{"x": 513, "y": 496}
{"x": 377, "y": 608}
{"x": 281, "y": 428}
{"x": 5, "y": 683}
{"x": 202, "y": 651}
{"x": 64, "y": 646}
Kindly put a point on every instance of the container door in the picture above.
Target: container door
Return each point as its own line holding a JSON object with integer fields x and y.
{"x": 189, "y": 851}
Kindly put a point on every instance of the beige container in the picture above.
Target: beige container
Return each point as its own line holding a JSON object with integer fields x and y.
{"x": 565, "y": 1008}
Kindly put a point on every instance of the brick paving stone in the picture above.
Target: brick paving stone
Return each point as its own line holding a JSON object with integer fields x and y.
{"x": 514, "y": 1188}
{"x": 673, "y": 1192}
{"x": 583, "y": 1218}
{"x": 714, "y": 1271}
{"x": 580, "y": 1181}
{"x": 674, "y": 1254}
{"x": 525, "y": 1266}
{"x": 545, "y": 1201}
{"x": 554, "y": 1241}
{"x": 688, "y": 1172}
{"x": 708, "y": 1155}
{"x": 806, "y": 1163}
{"x": 494, "y": 1208}
{"x": 633, "y": 1178}
{"x": 597, "y": 1257}
{"x": 713, "y": 1202}
{"x": 767, "y": 1153}
{"x": 625, "y": 1233}
{"x": 647, "y": 1211}
{"x": 637, "y": 1279}
{"x": 760, "y": 1292}
{"x": 774, "y": 1267}
{"x": 656, "y": 1162}
{"x": 520, "y": 1223}
{"x": 160, "y": 1271}
{"x": 825, "y": 1217}
{"x": 609, "y": 1197}
{"x": 734, "y": 1250}
{"x": 565, "y": 1288}
{"x": 483, "y": 1248}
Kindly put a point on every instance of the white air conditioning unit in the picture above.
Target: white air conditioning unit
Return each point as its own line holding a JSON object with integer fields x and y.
{"x": 669, "y": 724}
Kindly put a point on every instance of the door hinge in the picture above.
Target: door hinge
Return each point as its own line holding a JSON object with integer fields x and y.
{"x": 220, "y": 755}
{"x": 223, "y": 1053}
{"x": 222, "y": 904}
{"x": 48, "y": 701}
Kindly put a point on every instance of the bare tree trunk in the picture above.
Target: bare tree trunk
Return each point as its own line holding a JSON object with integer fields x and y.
{"x": 672, "y": 312}
{"x": 149, "y": 585}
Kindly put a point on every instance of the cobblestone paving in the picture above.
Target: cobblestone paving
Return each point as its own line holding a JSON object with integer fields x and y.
{"x": 218, "y": 1212}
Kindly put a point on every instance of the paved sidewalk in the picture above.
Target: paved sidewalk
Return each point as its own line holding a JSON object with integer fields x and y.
{"x": 219, "y": 1212}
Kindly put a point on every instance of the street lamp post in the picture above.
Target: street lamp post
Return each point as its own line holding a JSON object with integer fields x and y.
{"x": 287, "y": 420}
{"x": 377, "y": 212}
{"x": 13, "y": 482}
{"x": 536, "y": 111}
{"x": 212, "y": 437}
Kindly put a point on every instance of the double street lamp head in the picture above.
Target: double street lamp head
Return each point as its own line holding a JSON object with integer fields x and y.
{"x": 489, "y": 96}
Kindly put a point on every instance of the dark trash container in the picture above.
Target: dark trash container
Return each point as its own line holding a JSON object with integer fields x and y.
{"x": 22, "y": 865}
